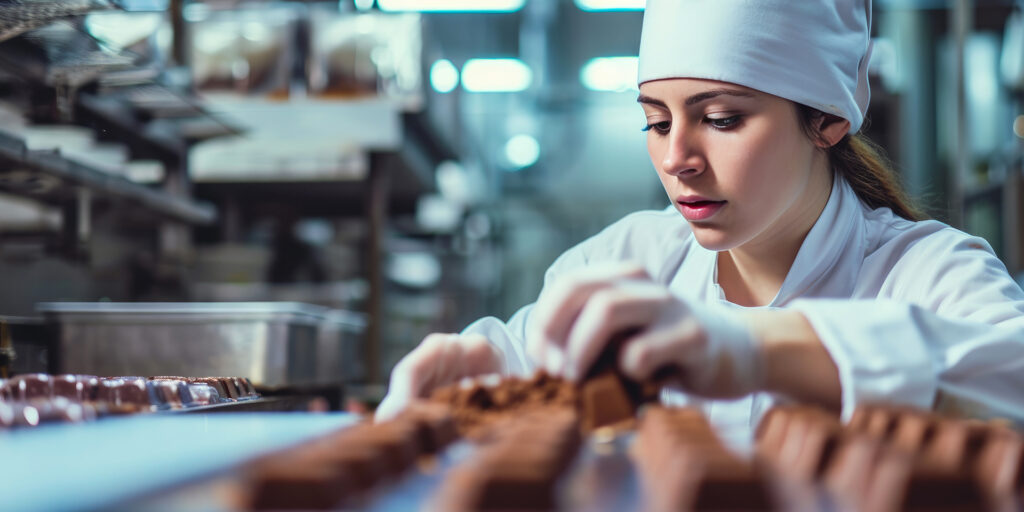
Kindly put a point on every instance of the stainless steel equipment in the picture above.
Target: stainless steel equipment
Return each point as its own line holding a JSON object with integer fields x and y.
{"x": 275, "y": 344}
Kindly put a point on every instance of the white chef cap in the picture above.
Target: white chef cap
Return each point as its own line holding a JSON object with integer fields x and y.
{"x": 813, "y": 52}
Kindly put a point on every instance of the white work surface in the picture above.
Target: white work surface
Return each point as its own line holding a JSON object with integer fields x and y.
{"x": 100, "y": 464}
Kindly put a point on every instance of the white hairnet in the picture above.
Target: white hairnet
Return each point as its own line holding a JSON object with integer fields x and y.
{"x": 813, "y": 52}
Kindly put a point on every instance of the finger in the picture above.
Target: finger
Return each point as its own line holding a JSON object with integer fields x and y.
{"x": 479, "y": 356}
{"x": 424, "y": 367}
{"x": 536, "y": 345}
{"x": 557, "y": 308}
{"x": 650, "y": 351}
{"x": 608, "y": 313}
{"x": 404, "y": 382}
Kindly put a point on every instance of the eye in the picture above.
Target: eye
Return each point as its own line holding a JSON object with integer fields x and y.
{"x": 661, "y": 128}
{"x": 724, "y": 123}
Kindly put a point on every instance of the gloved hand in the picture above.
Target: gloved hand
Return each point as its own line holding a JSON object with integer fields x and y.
{"x": 439, "y": 360}
{"x": 716, "y": 353}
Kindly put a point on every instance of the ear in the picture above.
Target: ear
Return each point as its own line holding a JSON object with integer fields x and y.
{"x": 832, "y": 129}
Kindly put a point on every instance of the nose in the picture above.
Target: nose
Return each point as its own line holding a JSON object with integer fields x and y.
{"x": 684, "y": 157}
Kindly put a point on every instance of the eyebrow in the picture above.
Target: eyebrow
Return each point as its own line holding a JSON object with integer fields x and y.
{"x": 696, "y": 98}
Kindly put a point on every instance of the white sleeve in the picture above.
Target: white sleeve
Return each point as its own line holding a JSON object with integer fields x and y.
{"x": 948, "y": 333}
{"x": 510, "y": 337}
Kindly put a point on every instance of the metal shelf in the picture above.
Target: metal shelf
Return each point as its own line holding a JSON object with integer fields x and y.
{"x": 59, "y": 181}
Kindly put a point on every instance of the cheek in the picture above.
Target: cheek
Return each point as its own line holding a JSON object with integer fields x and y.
{"x": 768, "y": 168}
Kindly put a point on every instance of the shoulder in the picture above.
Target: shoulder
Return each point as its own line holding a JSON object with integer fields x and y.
{"x": 930, "y": 257}
{"x": 890, "y": 233}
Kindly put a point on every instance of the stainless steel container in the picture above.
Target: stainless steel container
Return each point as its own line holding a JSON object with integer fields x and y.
{"x": 272, "y": 343}
{"x": 341, "y": 347}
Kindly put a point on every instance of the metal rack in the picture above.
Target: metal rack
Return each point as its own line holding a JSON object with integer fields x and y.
{"x": 53, "y": 179}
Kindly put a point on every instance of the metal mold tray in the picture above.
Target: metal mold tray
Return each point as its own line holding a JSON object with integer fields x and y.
{"x": 272, "y": 343}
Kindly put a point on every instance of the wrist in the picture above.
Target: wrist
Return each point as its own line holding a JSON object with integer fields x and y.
{"x": 793, "y": 360}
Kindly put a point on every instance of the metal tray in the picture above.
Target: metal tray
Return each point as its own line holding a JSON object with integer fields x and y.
{"x": 271, "y": 343}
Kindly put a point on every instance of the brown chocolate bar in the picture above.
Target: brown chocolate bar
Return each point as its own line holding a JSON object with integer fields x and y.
{"x": 684, "y": 466}
{"x": 296, "y": 483}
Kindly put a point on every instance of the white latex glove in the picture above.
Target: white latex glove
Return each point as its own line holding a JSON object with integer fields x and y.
{"x": 439, "y": 360}
{"x": 574, "y": 321}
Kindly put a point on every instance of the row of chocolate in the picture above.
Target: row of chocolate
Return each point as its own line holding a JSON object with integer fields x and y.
{"x": 891, "y": 458}
{"x": 683, "y": 465}
{"x": 341, "y": 469}
{"x": 519, "y": 466}
{"x": 30, "y": 399}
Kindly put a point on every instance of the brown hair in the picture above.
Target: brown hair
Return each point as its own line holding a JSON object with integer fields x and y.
{"x": 863, "y": 164}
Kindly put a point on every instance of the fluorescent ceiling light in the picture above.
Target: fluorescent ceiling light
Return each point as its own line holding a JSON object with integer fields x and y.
{"x": 611, "y": 5}
{"x": 496, "y": 75}
{"x": 522, "y": 151}
{"x": 451, "y": 5}
{"x": 444, "y": 76}
{"x": 610, "y": 74}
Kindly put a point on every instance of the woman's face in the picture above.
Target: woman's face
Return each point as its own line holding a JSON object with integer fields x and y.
{"x": 734, "y": 161}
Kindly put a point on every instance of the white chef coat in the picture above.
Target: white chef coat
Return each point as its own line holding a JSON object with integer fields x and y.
{"x": 914, "y": 313}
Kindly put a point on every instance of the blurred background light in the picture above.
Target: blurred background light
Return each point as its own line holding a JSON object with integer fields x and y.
{"x": 451, "y": 5}
{"x": 611, "y": 5}
{"x": 496, "y": 75}
{"x": 610, "y": 74}
{"x": 364, "y": 5}
{"x": 444, "y": 76}
{"x": 522, "y": 151}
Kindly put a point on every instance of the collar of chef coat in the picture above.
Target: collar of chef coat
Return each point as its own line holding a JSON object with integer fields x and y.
{"x": 827, "y": 264}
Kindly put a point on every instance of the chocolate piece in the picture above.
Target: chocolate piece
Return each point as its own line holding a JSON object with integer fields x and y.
{"x": 435, "y": 427}
{"x": 244, "y": 387}
{"x": 810, "y": 443}
{"x": 30, "y": 386}
{"x": 395, "y": 443}
{"x": 231, "y": 387}
{"x": 847, "y": 478}
{"x": 604, "y": 402}
{"x": 771, "y": 432}
{"x": 295, "y": 483}
{"x": 901, "y": 482}
{"x": 881, "y": 423}
{"x": 118, "y": 392}
{"x": 203, "y": 394}
{"x": 37, "y": 412}
{"x": 217, "y": 384}
{"x": 476, "y": 407}
{"x": 519, "y": 467}
{"x": 685, "y": 466}
{"x": 732, "y": 487}
{"x": 70, "y": 387}
{"x": 913, "y": 432}
{"x": 999, "y": 469}
{"x": 362, "y": 462}
{"x": 953, "y": 446}
{"x": 169, "y": 394}
{"x": 515, "y": 481}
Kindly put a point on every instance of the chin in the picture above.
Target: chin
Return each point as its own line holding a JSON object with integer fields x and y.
{"x": 712, "y": 239}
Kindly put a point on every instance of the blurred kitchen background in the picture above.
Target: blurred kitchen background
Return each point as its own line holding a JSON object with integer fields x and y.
{"x": 418, "y": 163}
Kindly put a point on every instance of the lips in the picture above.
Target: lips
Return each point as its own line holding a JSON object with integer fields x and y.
{"x": 696, "y": 208}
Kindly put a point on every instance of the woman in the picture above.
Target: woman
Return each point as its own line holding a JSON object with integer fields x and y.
{"x": 791, "y": 266}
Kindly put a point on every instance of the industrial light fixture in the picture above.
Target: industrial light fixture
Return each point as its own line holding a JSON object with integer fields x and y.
{"x": 610, "y": 74}
{"x": 444, "y": 76}
{"x": 611, "y": 5}
{"x": 496, "y": 75}
{"x": 522, "y": 151}
{"x": 451, "y": 5}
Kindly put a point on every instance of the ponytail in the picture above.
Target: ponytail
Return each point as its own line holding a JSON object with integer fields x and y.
{"x": 863, "y": 165}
